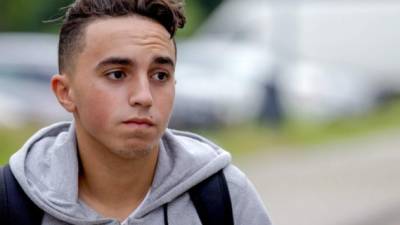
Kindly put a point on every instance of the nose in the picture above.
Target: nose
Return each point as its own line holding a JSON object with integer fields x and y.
{"x": 140, "y": 92}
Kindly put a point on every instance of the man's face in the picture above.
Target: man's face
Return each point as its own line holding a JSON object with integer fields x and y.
{"x": 123, "y": 85}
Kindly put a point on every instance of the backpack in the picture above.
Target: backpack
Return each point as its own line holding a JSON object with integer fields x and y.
{"x": 210, "y": 197}
{"x": 15, "y": 207}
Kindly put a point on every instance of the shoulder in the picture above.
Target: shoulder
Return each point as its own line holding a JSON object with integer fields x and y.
{"x": 238, "y": 183}
{"x": 192, "y": 143}
{"x": 247, "y": 205}
{"x": 190, "y": 138}
{"x": 235, "y": 178}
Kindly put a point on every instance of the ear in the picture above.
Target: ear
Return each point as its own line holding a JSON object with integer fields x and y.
{"x": 60, "y": 85}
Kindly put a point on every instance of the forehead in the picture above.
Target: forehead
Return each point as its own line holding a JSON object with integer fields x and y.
{"x": 120, "y": 34}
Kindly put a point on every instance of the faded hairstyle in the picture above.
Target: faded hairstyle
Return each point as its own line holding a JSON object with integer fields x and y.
{"x": 168, "y": 13}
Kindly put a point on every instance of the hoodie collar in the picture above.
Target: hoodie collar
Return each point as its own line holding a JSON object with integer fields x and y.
{"x": 47, "y": 169}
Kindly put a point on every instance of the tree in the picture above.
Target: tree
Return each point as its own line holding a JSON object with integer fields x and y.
{"x": 22, "y": 15}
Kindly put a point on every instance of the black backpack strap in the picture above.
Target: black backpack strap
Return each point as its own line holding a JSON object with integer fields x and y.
{"x": 212, "y": 200}
{"x": 15, "y": 207}
{"x": 3, "y": 197}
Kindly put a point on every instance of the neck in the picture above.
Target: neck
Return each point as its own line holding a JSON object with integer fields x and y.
{"x": 111, "y": 185}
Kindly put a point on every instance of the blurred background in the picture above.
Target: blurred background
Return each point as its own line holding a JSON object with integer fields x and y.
{"x": 304, "y": 94}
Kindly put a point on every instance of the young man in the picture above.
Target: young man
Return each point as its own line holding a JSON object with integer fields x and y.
{"x": 116, "y": 162}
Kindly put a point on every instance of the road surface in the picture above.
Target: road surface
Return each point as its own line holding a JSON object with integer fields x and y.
{"x": 355, "y": 182}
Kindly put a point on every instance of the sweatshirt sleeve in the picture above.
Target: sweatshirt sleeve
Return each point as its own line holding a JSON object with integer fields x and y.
{"x": 247, "y": 206}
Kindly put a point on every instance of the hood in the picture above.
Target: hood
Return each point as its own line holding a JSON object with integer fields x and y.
{"x": 47, "y": 169}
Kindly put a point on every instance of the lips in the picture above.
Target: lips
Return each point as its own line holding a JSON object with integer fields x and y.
{"x": 139, "y": 121}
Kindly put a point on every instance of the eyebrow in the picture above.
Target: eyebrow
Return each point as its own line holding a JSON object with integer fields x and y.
{"x": 164, "y": 60}
{"x": 115, "y": 61}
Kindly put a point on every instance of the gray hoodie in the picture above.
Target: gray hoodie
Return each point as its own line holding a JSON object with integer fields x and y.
{"x": 46, "y": 167}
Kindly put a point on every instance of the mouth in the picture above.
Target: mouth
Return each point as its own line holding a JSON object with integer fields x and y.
{"x": 139, "y": 122}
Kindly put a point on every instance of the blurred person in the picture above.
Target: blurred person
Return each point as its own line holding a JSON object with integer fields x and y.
{"x": 117, "y": 162}
{"x": 271, "y": 112}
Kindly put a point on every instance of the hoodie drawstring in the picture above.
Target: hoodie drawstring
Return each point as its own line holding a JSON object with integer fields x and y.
{"x": 165, "y": 214}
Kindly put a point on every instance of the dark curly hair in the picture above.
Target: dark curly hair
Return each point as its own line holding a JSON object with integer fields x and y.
{"x": 169, "y": 13}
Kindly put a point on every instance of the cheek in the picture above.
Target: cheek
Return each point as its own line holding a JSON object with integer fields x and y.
{"x": 95, "y": 108}
{"x": 165, "y": 102}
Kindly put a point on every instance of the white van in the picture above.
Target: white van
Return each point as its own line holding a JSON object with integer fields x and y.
{"x": 360, "y": 34}
{"x": 352, "y": 42}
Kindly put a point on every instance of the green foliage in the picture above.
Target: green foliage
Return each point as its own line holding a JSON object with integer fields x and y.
{"x": 22, "y": 15}
{"x": 195, "y": 15}
{"x": 210, "y": 5}
{"x": 12, "y": 139}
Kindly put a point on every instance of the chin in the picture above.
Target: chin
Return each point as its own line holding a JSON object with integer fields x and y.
{"x": 135, "y": 151}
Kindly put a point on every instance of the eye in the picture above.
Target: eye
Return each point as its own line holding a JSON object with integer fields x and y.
{"x": 161, "y": 76}
{"x": 116, "y": 75}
